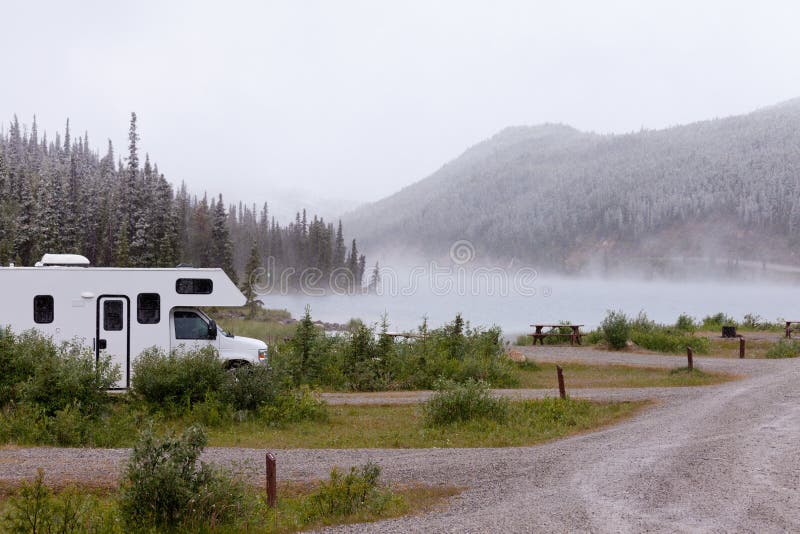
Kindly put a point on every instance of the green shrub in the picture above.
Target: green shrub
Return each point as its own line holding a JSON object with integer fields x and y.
{"x": 36, "y": 370}
{"x": 642, "y": 322}
{"x": 454, "y": 402}
{"x": 250, "y": 386}
{"x": 685, "y": 323}
{"x": 784, "y": 348}
{"x": 294, "y": 406}
{"x": 179, "y": 378}
{"x": 36, "y": 509}
{"x": 661, "y": 339}
{"x": 616, "y": 329}
{"x": 70, "y": 377}
{"x": 165, "y": 486}
{"x": 348, "y": 494}
{"x": 752, "y": 321}
{"x": 593, "y": 337}
{"x": 717, "y": 321}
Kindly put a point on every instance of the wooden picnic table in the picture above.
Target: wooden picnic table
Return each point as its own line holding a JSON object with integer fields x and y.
{"x": 789, "y": 328}
{"x": 555, "y": 330}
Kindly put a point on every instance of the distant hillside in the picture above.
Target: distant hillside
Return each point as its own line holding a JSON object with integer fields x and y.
{"x": 560, "y": 198}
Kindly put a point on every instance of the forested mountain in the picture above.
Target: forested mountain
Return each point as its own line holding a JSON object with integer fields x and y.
{"x": 61, "y": 196}
{"x": 559, "y": 198}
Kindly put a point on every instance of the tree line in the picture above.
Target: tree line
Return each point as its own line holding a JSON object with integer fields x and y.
{"x": 59, "y": 195}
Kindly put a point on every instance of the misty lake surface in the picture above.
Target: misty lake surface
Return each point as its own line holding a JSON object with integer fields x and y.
{"x": 580, "y": 301}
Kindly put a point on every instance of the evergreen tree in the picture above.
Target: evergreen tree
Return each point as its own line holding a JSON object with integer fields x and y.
{"x": 221, "y": 249}
{"x": 340, "y": 250}
{"x": 375, "y": 279}
{"x": 248, "y": 282}
{"x": 122, "y": 251}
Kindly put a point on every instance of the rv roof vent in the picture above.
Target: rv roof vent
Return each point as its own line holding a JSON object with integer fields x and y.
{"x": 64, "y": 260}
{"x": 185, "y": 266}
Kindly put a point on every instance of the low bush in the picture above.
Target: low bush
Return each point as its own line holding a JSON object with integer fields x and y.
{"x": 52, "y": 394}
{"x": 717, "y": 321}
{"x": 593, "y": 337}
{"x": 293, "y": 406}
{"x": 662, "y": 339}
{"x": 177, "y": 378}
{"x": 616, "y": 329}
{"x": 35, "y": 508}
{"x": 35, "y": 370}
{"x": 346, "y": 494}
{"x": 166, "y": 487}
{"x": 454, "y": 402}
{"x": 784, "y": 348}
{"x": 685, "y": 323}
{"x": 250, "y": 386}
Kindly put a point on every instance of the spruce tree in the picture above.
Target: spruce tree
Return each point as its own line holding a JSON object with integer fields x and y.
{"x": 221, "y": 248}
{"x": 375, "y": 279}
{"x": 248, "y": 282}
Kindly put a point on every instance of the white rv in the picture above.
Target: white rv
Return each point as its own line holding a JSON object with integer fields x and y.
{"x": 122, "y": 312}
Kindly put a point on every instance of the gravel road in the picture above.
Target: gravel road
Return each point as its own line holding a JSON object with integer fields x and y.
{"x": 715, "y": 459}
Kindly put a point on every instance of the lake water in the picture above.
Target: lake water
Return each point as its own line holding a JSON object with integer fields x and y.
{"x": 551, "y": 299}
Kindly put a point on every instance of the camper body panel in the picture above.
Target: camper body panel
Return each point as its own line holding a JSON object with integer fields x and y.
{"x": 120, "y": 311}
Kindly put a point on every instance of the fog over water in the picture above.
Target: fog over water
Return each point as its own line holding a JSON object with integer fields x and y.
{"x": 579, "y": 300}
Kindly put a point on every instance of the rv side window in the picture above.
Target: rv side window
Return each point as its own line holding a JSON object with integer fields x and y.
{"x": 194, "y": 286}
{"x": 43, "y": 309}
{"x": 189, "y": 325}
{"x": 112, "y": 315}
{"x": 148, "y": 308}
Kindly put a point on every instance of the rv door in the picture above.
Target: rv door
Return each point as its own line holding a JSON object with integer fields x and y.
{"x": 113, "y": 334}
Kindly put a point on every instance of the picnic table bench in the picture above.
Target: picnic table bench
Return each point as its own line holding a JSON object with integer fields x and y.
{"x": 555, "y": 330}
{"x": 790, "y": 329}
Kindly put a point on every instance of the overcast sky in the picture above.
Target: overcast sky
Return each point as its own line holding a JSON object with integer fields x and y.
{"x": 354, "y": 100}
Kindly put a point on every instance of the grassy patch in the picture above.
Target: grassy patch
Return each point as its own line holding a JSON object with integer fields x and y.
{"x": 784, "y": 348}
{"x": 729, "y": 348}
{"x": 577, "y": 375}
{"x": 99, "y": 510}
{"x": 348, "y": 427}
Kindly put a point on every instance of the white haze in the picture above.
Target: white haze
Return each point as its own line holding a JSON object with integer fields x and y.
{"x": 544, "y": 298}
{"x": 354, "y": 99}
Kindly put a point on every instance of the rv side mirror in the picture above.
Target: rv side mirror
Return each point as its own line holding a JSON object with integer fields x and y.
{"x": 212, "y": 329}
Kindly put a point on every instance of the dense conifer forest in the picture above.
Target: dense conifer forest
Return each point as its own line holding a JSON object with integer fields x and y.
{"x": 59, "y": 195}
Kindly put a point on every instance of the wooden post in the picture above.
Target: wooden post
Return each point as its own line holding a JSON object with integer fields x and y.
{"x": 562, "y": 391}
{"x": 741, "y": 347}
{"x": 690, "y": 361}
{"x": 272, "y": 484}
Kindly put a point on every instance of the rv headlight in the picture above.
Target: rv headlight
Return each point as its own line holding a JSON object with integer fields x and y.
{"x": 262, "y": 355}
